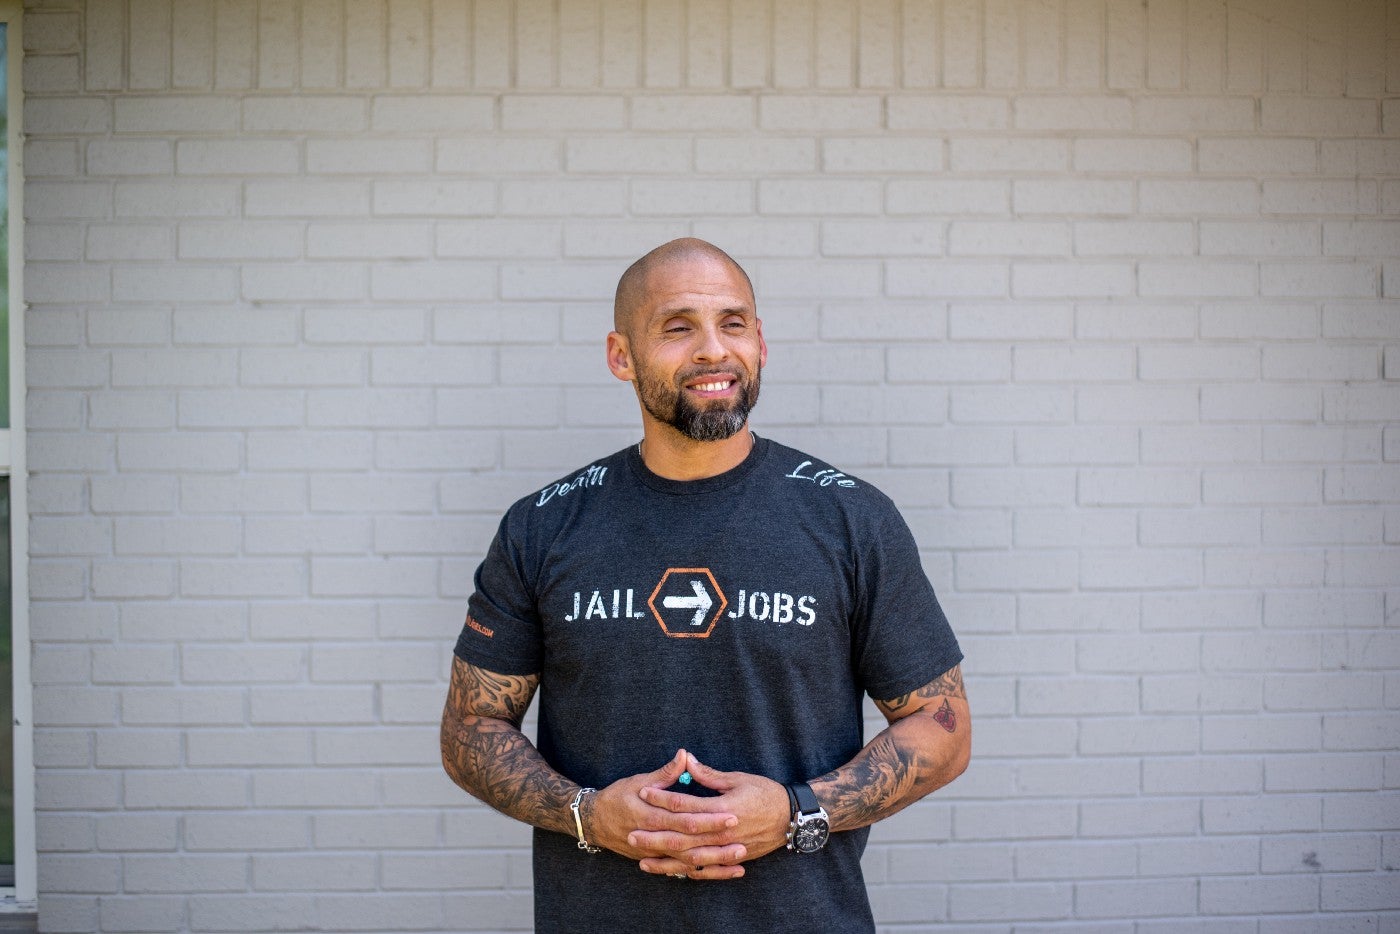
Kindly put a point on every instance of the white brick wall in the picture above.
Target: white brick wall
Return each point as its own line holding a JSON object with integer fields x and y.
{"x": 1101, "y": 291}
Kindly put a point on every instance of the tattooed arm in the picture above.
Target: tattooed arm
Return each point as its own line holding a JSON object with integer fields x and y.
{"x": 926, "y": 745}
{"x": 485, "y": 753}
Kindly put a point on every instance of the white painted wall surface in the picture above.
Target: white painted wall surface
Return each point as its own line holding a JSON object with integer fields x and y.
{"x": 1102, "y": 292}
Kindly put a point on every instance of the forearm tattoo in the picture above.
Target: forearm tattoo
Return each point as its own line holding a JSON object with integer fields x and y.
{"x": 900, "y": 765}
{"x": 485, "y": 753}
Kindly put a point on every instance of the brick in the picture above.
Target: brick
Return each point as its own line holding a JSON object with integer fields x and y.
{"x": 1134, "y": 238}
{"x": 66, "y": 116}
{"x": 818, "y": 196}
{"x": 1148, "y": 569}
{"x": 1322, "y": 774}
{"x": 634, "y": 156}
{"x": 171, "y": 114}
{"x": 432, "y": 113}
{"x": 137, "y": 832}
{"x": 240, "y": 241}
{"x": 165, "y": 453}
{"x": 306, "y": 198}
{"x": 1356, "y": 280}
{"x": 650, "y": 197}
{"x": 1357, "y": 732}
{"x": 303, "y": 114}
{"x": 1136, "y": 404}
{"x": 355, "y": 494}
{"x": 1214, "y": 527}
{"x": 1316, "y": 117}
{"x": 1361, "y": 238}
{"x": 175, "y": 199}
{"x": 499, "y": 155}
{"x": 184, "y": 874}
{"x": 1059, "y": 112}
{"x": 866, "y": 155}
{"x": 317, "y": 872}
{"x": 318, "y": 282}
{"x": 245, "y": 495}
{"x": 947, "y": 112}
{"x": 368, "y": 156}
{"x": 950, "y": 446}
{"x": 236, "y": 157}
{"x": 1258, "y": 402}
{"x": 1198, "y": 197}
{"x": 130, "y": 157}
{"x": 142, "y": 914}
{"x": 1199, "y": 445}
{"x": 245, "y": 832}
{"x": 1136, "y": 899}
{"x": 946, "y": 197}
{"x": 1048, "y": 529}
{"x": 1358, "y": 156}
{"x": 1258, "y": 156}
{"x": 276, "y": 706}
{"x": 1170, "y": 114}
{"x": 1137, "y": 486}
{"x": 1119, "y": 322}
{"x": 299, "y": 788}
{"x": 233, "y": 748}
{"x": 1214, "y": 856}
{"x": 562, "y": 112}
{"x": 1315, "y": 196}
{"x": 1007, "y": 238}
{"x": 1080, "y": 196}
{"x": 1021, "y": 154}
{"x": 53, "y": 242}
{"x": 1255, "y": 895}
{"x": 188, "y": 283}
{"x": 245, "y": 912}
{"x": 1359, "y": 403}
{"x": 1132, "y": 156}
{"x": 67, "y": 283}
{"x": 1087, "y": 280}
{"x": 1250, "y": 238}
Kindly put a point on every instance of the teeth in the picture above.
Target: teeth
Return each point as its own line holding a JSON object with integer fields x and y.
{"x": 713, "y": 387}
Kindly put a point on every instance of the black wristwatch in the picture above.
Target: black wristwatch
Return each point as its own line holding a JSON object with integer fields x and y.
{"x": 809, "y": 830}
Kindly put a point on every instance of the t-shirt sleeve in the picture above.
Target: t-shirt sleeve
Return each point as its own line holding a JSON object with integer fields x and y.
{"x": 902, "y": 639}
{"x": 502, "y": 630}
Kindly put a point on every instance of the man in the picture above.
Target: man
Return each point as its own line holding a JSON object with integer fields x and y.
{"x": 702, "y": 613}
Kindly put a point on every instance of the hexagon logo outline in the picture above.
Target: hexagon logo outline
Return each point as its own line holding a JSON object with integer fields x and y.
{"x": 696, "y": 602}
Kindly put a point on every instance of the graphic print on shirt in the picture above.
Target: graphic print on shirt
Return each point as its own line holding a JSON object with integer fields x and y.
{"x": 687, "y": 596}
{"x": 688, "y": 602}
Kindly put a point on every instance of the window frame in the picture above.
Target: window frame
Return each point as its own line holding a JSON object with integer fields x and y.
{"x": 12, "y": 463}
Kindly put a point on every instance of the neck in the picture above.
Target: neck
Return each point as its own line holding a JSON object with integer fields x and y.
{"x": 670, "y": 454}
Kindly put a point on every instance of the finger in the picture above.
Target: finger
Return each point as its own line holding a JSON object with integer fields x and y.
{"x": 710, "y": 778}
{"x": 662, "y": 839}
{"x": 669, "y": 773}
{"x": 674, "y": 868}
{"x": 680, "y": 803}
{"x": 697, "y": 860}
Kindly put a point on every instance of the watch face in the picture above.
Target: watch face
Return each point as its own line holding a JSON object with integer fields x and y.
{"x": 810, "y": 835}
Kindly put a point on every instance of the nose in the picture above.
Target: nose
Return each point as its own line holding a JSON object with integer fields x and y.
{"x": 711, "y": 346}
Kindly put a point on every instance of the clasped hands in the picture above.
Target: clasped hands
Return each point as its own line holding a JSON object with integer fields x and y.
{"x": 669, "y": 833}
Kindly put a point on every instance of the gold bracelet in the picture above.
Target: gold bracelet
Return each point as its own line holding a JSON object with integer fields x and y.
{"x": 578, "y": 821}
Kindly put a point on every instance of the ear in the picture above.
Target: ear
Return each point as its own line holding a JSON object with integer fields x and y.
{"x": 620, "y": 357}
{"x": 762, "y": 345}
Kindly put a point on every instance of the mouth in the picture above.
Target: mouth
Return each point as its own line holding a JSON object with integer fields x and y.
{"x": 713, "y": 385}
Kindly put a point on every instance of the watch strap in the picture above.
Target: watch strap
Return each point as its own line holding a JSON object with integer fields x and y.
{"x": 803, "y": 798}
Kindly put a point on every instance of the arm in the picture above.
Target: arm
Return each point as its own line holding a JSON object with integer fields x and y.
{"x": 485, "y": 753}
{"x": 926, "y": 745}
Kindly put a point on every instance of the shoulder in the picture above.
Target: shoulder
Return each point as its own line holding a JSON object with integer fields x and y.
{"x": 561, "y": 499}
{"x": 803, "y": 477}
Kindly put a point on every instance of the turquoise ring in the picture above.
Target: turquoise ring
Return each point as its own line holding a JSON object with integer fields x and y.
{"x": 685, "y": 778}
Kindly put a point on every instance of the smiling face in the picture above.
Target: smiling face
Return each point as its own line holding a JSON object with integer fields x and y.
{"x": 693, "y": 346}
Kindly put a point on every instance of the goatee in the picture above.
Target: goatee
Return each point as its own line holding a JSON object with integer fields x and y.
{"x": 700, "y": 422}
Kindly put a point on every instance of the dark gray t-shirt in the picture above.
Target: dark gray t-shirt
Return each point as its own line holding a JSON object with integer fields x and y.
{"x": 741, "y": 617}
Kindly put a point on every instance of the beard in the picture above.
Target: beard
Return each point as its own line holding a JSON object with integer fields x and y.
{"x": 713, "y": 420}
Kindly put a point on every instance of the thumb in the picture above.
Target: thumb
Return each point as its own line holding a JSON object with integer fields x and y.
{"x": 669, "y": 773}
{"x": 702, "y": 773}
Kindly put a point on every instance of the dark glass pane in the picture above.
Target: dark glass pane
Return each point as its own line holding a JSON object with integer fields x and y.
{"x": 4, "y": 231}
{"x": 7, "y": 708}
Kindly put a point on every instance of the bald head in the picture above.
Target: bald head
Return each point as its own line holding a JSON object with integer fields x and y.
{"x": 632, "y": 288}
